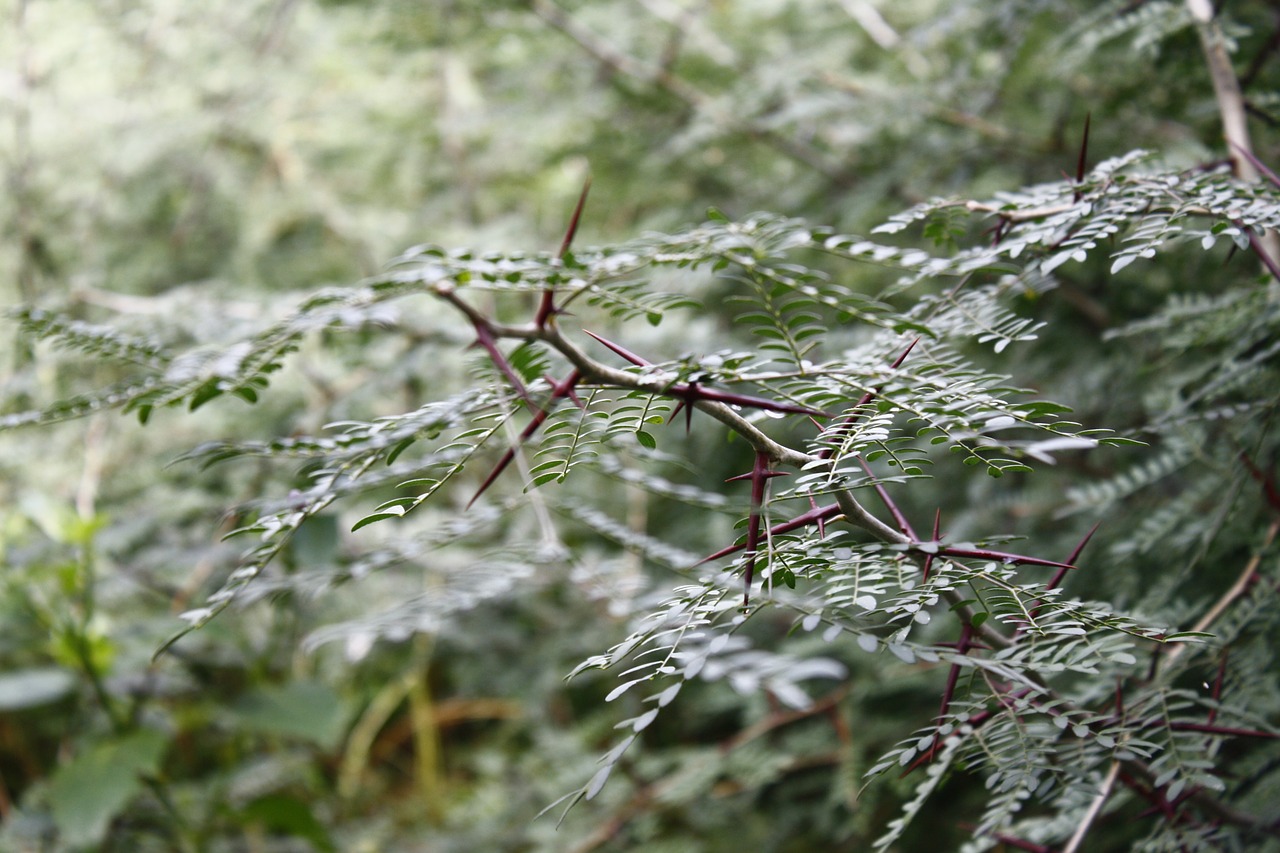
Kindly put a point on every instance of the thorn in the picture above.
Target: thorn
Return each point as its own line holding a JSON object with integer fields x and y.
{"x": 577, "y": 216}
{"x": 1002, "y": 556}
{"x": 559, "y": 390}
{"x": 688, "y": 415}
{"x": 760, "y": 475}
{"x": 1257, "y": 164}
{"x": 822, "y": 522}
{"x": 813, "y": 516}
{"x": 1267, "y": 260}
{"x": 852, "y": 418}
{"x": 1084, "y": 153}
{"x": 903, "y": 524}
{"x": 625, "y": 353}
{"x": 1075, "y": 555}
{"x": 928, "y": 558}
{"x": 485, "y": 339}
{"x": 1267, "y": 481}
{"x": 547, "y": 309}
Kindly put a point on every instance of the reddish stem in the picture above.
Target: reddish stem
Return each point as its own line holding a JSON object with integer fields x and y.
{"x": 852, "y": 418}
{"x": 903, "y": 524}
{"x": 558, "y": 390}
{"x": 759, "y": 475}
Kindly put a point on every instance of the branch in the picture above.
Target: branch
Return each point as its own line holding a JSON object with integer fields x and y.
{"x": 595, "y": 372}
{"x": 1095, "y": 808}
{"x": 1237, "y": 589}
{"x": 1231, "y": 105}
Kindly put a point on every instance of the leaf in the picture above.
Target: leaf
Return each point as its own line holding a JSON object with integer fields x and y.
{"x": 288, "y": 816}
{"x": 597, "y": 781}
{"x": 35, "y": 686}
{"x": 98, "y": 784}
{"x": 394, "y": 512}
{"x": 303, "y": 710}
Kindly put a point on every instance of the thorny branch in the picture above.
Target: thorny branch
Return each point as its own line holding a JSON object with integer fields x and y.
{"x": 726, "y": 407}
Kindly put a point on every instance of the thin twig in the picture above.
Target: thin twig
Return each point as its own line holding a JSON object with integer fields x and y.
{"x": 1237, "y": 589}
{"x": 1231, "y": 104}
{"x": 1095, "y": 808}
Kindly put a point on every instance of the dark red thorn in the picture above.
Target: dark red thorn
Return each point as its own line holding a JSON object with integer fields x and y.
{"x": 953, "y": 677}
{"x": 813, "y": 516}
{"x": 692, "y": 391}
{"x": 484, "y": 337}
{"x": 1267, "y": 481}
{"x": 1075, "y": 555}
{"x": 681, "y": 405}
{"x": 760, "y": 474}
{"x": 822, "y": 522}
{"x": 852, "y": 418}
{"x": 928, "y": 558}
{"x": 897, "y": 362}
{"x": 1002, "y": 556}
{"x": 547, "y": 309}
{"x": 559, "y": 390}
{"x": 753, "y": 476}
{"x": 903, "y": 524}
{"x": 571, "y": 393}
{"x": 1257, "y": 164}
{"x": 1083, "y": 158}
{"x": 1217, "y": 685}
{"x": 625, "y": 353}
{"x": 1061, "y": 573}
{"x": 576, "y": 218}
{"x": 1267, "y": 261}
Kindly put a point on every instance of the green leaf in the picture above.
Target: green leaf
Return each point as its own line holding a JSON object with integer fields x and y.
{"x": 35, "y": 686}
{"x": 400, "y": 448}
{"x": 289, "y": 816}
{"x": 646, "y": 440}
{"x": 204, "y": 394}
{"x": 99, "y": 783}
{"x": 396, "y": 512}
{"x": 303, "y": 710}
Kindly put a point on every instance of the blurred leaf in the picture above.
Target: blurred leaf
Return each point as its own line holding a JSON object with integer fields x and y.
{"x": 29, "y": 688}
{"x": 97, "y": 785}
{"x": 305, "y": 710}
{"x": 289, "y": 816}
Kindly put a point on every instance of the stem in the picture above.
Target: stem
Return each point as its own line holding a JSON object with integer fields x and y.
{"x": 1095, "y": 808}
{"x": 1231, "y": 106}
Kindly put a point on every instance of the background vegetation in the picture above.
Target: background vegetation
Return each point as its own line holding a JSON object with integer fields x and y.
{"x": 188, "y": 176}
